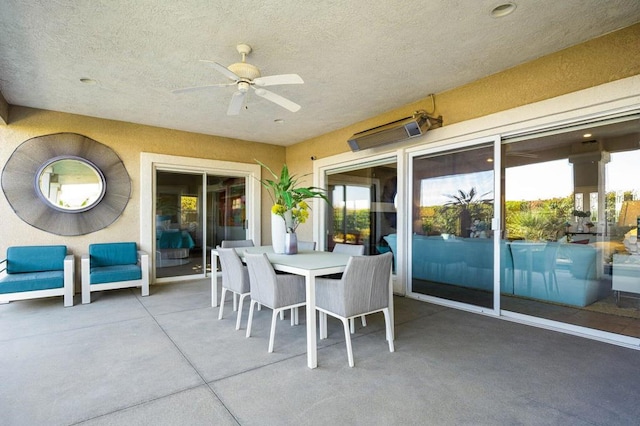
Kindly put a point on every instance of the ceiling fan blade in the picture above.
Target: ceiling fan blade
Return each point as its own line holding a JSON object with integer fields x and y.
{"x": 221, "y": 69}
{"x": 273, "y": 80}
{"x": 236, "y": 103}
{"x": 196, "y": 88}
{"x": 277, "y": 99}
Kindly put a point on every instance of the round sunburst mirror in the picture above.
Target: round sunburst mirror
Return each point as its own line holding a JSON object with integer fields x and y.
{"x": 66, "y": 184}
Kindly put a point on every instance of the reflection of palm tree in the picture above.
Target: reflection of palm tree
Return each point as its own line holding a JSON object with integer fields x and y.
{"x": 463, "y": 201}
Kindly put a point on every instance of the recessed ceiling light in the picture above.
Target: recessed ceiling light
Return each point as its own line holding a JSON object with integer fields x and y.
{"x": 489, "y": 160}
{"x": 88, "y": 81}
{"x": 503, "y": 9}
{"x": 587, "y": 135}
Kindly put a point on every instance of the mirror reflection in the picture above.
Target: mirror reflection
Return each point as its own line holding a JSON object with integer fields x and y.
{"x": 70, "y": 184}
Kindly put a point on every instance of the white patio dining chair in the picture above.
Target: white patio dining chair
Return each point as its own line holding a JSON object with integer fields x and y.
{"x": 235, "y": 278}
{"x": 352, "y": 250}
{"x": 236, "y": 244}
{"x": 306, "y": 245}
{"x": 277, "y": 292}
{"x": 363, "y": 289}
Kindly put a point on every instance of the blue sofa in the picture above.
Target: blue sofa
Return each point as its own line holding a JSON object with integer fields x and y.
{"x": 32, "y": 272}
{"x": 556, "y": 272}
{"x": 114, "y": 265}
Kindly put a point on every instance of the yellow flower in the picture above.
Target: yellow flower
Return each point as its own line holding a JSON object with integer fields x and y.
{"x": 303, "y": 205}
{"x": 278, "y": 209}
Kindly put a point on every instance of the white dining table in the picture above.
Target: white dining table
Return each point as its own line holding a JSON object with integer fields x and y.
{"x": 309, "y": 264}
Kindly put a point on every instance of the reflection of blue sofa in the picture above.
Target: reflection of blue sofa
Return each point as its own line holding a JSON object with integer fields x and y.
{"x": 558, "y": 272}
{"x": 467, "y": 262}
{"x": 562, "y": 273}
{"x": 174, "y": 238}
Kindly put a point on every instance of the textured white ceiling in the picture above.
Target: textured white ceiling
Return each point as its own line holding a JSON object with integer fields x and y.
{"x": 358, "y": 59}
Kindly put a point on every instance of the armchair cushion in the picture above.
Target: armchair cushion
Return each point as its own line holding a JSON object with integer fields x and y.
{"x": 35, "y": 259}
{"x": 115, "y": 273}
{"x": 31, "y": 281}
{"x": 112, "y": 254}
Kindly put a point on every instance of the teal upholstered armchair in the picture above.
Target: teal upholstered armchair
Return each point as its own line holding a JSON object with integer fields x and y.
{"x": 114, "y": 265}
{"x": 31, "y": 272}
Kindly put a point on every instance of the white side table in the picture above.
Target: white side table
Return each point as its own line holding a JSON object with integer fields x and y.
{"x": 626, "y": 274}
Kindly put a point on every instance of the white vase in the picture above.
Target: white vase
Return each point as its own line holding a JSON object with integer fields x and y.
{"x": 279, "y": 230}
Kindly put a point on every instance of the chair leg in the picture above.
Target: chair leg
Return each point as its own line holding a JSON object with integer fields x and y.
{"x": 224, "y": 292}
{"x": 294, "y": 317}
{"x": 242, "y": 296}
{"x": 347, "y": 339}
{"x": 253, "y": 303}
{"x": 352, "y": 323}
{"x": 324, "y": 322}
{"x": 272, "y": 333}
{"x": 296, "y": 311}
{"x": 281, "y": 315}
{"x": 387, "y": 323}
{"x": 235, "y": 302}
{"x": 322, "y": 328}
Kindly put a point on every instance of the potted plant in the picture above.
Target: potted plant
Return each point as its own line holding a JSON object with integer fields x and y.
{"x": 289, "y": 204}
{"x": 581, "y": 215}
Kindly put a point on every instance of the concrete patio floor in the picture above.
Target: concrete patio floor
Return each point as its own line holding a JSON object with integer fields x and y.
{"x": 167, "y": 360}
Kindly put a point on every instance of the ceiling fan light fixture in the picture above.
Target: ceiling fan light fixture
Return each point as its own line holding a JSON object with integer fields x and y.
{"x": 503, "y": 9}
{"x": 243, "y": 86}
{"x": 244, "y": 70}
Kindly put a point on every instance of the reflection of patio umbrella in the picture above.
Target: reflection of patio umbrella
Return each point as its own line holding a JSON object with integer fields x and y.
{"x": 629, "y": 213}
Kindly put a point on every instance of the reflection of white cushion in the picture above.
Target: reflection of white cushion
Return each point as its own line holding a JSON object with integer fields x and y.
{"x": 163, "y": 222}
{"x": 631, "y": 240}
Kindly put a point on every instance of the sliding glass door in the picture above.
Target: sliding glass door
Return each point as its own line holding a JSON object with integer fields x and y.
{"x": 572, "y": 207}
{"x": 364, "y": 209}
{"x": 451, "y": 243}
{"x": 195, "y": 212}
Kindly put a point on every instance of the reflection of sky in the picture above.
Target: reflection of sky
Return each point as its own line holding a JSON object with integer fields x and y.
{"x": 555, "y": 178}
{"x": 73, "y": 195}
{"x": 358, "y": 197}
{"x": 434, "y": 191}
{"x": 539, "y": 181}
{"x": 622, "y": 171}
{"x": 532, "y": 182}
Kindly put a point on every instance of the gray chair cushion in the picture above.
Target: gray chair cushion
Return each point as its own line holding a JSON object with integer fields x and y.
{"x": 364, "y": 287}
{"x": 235, "y": 275}
{"x": 236, "y": 243}
{"x": 273, "y": 291}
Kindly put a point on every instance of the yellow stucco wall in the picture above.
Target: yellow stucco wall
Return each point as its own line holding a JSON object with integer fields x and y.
{"x": 128, "y": 141}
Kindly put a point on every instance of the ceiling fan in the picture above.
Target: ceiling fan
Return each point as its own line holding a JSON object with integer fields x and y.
{"x": 244, "y": 76}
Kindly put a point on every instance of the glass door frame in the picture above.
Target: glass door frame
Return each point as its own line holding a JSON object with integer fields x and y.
{"x": 150, "y": 163}
{"x": 411, "y": 154}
